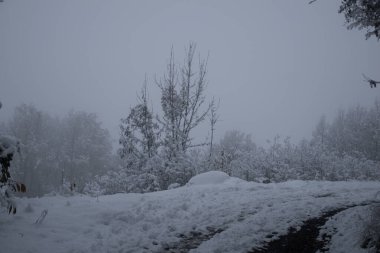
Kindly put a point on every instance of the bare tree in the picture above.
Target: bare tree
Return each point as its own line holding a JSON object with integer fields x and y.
{"x": 214, "y": 117}
{"x": 182, "y": 100}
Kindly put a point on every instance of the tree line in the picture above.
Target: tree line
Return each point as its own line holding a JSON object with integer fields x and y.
{"x": 344, "y": 148}
{"x": 57, "y": 153}
{"x": 158, "y": 151}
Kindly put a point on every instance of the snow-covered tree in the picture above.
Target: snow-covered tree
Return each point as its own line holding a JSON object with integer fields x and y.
{"x": 362, "y": 14}
{"x": 86, "y": 148}
{"x": 55, "y": 151}
{"x": 320, "y": 132}
{"x": 234, "y": 148}
{"x": 37, "y": 163}
{"x": 139, "y": 147}
{"x": 373, "y": 133}
{"x": 8, "y": 147}
{"x": 139, "y": 135}
{"x": 213, "y": 117}
{"x": 159, "y": 152}
{"x": 183, "y": 102}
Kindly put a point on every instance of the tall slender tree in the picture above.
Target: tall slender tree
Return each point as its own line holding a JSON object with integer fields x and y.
{"x": 139, "y": 133}
{"x": 183, "y": 101}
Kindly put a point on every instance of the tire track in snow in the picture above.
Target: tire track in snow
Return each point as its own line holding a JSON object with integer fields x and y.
{"x": 196, "y": 238}
{"x": 304, "y": 240}
{"x": 190, "y": 241}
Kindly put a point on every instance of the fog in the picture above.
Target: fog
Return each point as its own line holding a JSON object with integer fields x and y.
{"x": 275, "y": 66}
{"x": 91, "y": 161}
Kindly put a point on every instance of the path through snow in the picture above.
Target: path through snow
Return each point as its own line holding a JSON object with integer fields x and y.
{"x": 242, "y": 213}
{"x": 309, "y": 238}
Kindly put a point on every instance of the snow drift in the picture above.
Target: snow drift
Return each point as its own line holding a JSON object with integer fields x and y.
{"x": 245, "y": 213}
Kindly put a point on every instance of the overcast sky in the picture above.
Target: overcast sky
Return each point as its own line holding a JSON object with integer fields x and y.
{"x": 276, "y": 66}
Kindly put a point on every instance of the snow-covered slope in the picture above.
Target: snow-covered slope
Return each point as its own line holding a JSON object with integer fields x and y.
{"x": 244, "y": 212}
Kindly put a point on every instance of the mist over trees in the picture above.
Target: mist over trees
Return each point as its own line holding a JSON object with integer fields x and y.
{"x": 157, "y": 151}
{"x": 344, "y": 149}
{"x": 157, "y": 148}
{"x": 173, "y": 185}
{"x": 59, "y": 152}
{"x": 56, "y": 152}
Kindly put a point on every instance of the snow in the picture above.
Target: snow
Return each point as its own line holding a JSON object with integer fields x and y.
{"x": 8, "y": 145}
{"x": 246, "y": 212}
{"x": 344, "y": 229}
{"x": 210, "y": 177}
{"x": 173, "y": 186}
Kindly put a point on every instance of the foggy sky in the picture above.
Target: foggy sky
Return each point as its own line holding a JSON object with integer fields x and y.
{"x": 276, "y": 66}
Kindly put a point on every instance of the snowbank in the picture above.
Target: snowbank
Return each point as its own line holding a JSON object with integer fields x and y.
{"x": 245, "y": 213}
{"x": 211, "y": 177}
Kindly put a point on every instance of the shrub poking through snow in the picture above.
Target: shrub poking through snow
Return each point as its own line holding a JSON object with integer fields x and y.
{"x": 8, "y": 146}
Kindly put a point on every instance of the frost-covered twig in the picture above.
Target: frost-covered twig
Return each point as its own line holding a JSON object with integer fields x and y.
{"x": 42, "y": 217}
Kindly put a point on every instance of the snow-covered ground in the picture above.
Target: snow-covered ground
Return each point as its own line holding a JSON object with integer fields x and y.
{"x": 247, "y": 212}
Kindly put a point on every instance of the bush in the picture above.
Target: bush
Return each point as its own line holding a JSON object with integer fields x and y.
{"x": 8, "y": 147}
